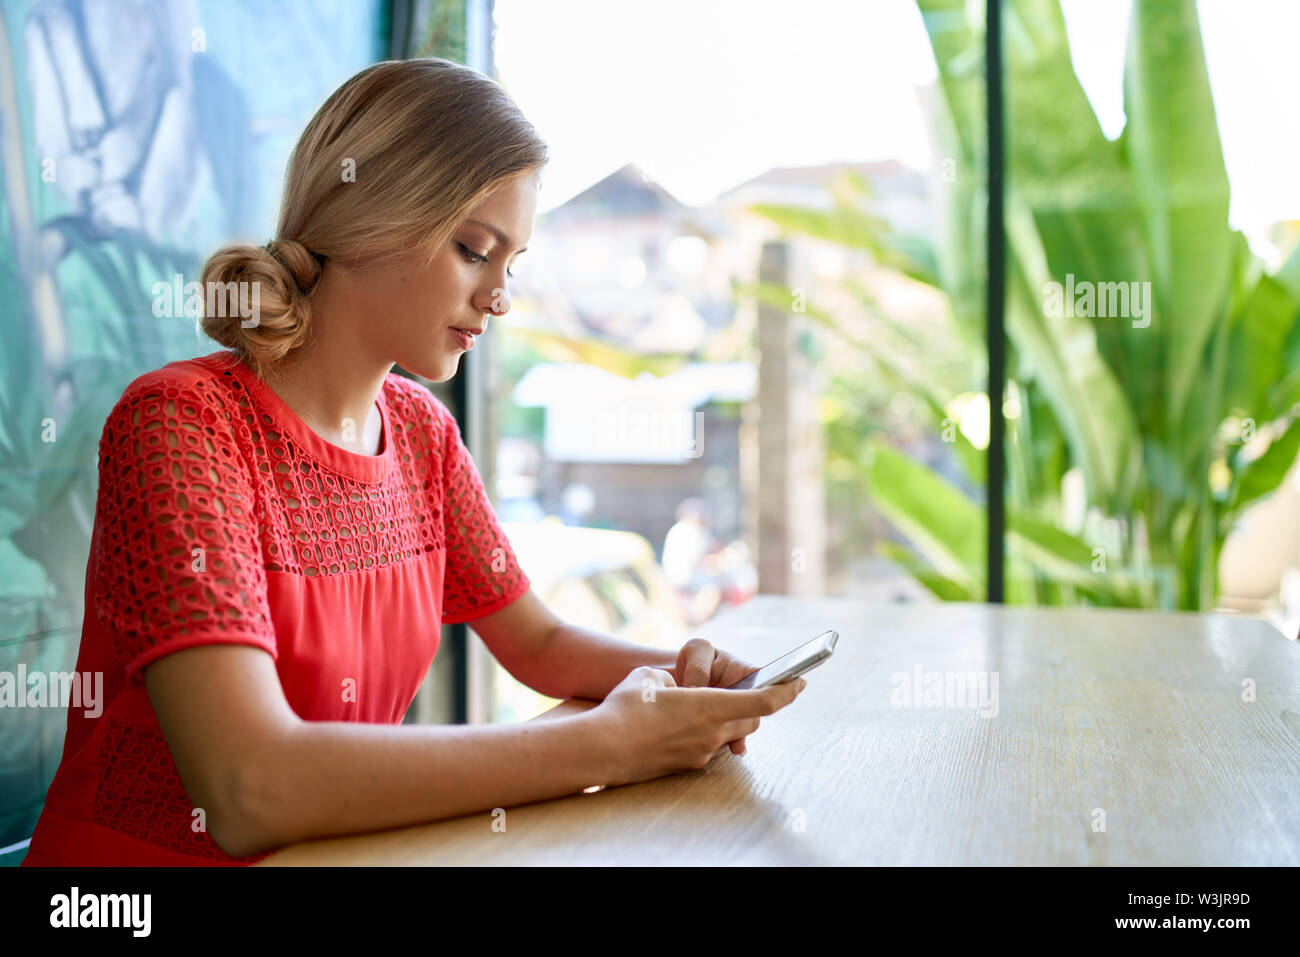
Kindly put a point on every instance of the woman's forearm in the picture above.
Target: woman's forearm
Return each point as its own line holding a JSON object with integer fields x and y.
{"x": 411, "y": 774}
{"x": 580, "y": 663}
{"x": 329, "y": 778}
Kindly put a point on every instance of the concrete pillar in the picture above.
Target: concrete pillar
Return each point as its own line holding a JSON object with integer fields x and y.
{"x": 791, "y": 506}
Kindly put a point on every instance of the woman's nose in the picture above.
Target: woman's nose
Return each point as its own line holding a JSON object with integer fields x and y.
{"x": 497, "y": 302}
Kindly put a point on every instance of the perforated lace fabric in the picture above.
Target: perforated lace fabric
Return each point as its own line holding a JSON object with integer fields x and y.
{"x": 141, "y": 796}
{"x": 205, "y": 474}
{"x": 177, "y": 551}
{"x": 208, "y": 484}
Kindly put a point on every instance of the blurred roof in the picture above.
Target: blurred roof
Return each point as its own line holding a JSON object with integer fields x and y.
{"x": 625, "y": 192}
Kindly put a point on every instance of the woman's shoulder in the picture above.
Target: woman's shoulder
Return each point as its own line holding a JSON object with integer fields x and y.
{"x": 198, "y": 375}
{"x": 185, "y": 409}
{"x": 186, "y": 395}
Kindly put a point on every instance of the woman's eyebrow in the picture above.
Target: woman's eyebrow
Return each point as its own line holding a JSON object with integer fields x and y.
{"x": 501, "y": 237}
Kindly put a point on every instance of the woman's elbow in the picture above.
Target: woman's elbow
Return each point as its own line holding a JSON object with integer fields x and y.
{"x": 248, "y": 818}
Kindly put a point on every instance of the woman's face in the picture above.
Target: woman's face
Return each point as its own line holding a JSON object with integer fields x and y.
{"x": 417, "y": 307}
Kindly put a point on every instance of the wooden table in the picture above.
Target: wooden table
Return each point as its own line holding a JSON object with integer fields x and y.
{"x": 1119, "y": 738}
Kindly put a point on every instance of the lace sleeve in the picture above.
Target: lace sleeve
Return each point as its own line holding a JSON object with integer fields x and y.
{"x": 176, "y": 552}
{"x": 483, "y": 574}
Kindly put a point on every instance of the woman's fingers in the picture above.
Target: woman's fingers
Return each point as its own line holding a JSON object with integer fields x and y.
{"x": 727, "y": 670}
{"x": 695, "y": 663}
{"x": 751, "y": 703}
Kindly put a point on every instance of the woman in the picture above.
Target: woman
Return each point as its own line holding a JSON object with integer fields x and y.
{"x": 282, "y": 528}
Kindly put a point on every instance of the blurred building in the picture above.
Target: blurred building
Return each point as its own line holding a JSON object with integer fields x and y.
{"x": 626, "y": 263}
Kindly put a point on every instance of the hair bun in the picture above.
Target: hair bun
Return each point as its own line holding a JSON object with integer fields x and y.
{"x": 304, "y": 267}
{"x": 283, "y": 274}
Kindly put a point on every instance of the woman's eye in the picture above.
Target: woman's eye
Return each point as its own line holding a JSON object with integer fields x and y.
{"x": 476, "y": 258}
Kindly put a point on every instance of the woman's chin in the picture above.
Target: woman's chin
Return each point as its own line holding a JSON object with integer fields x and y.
{"x": 437, "y": 368}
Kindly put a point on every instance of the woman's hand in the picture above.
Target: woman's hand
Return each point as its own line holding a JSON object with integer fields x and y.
{"x": 700, "y": 665}
{"x": 656, "y": 727}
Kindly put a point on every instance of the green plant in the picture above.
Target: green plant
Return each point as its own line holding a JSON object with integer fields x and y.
{"x": 1176, "y": 419}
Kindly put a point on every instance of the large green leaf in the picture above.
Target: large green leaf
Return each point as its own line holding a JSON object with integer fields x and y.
{"x": 1073, "y": 184}
{"x": 1064, "y": 558}
{"x": 1266, "y": 473}
{"x": 1255, "y": 350}
{"x": 956, "y": 32}
{"x": 1059, "y": 353}
{"x": 941, "y": 587}
{"x": 1171, "y": 141}
{"x": 946, "y": 527}
{"x": 1286, "y": 392}
{"x": 1289, "y": 274}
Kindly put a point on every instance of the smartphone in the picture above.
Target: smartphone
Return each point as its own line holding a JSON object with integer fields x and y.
{"x": 788, "y": 667}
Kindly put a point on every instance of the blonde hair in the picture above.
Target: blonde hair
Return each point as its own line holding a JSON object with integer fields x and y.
{"x": 425, "y": 141}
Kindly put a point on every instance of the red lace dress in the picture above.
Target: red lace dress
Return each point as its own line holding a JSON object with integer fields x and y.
{"x": 222, "y": 518}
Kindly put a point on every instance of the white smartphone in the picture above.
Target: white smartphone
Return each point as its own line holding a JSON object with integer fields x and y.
{"x": 790, "y": 666}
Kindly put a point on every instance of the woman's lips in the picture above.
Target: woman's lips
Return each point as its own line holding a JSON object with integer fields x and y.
{"x": 464, "y": 339}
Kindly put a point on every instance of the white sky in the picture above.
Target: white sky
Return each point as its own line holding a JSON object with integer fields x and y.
{"x": 704, "y": 94}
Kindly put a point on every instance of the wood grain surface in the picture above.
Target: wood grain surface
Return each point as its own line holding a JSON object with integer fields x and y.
{"x": 1118, "y": 738}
